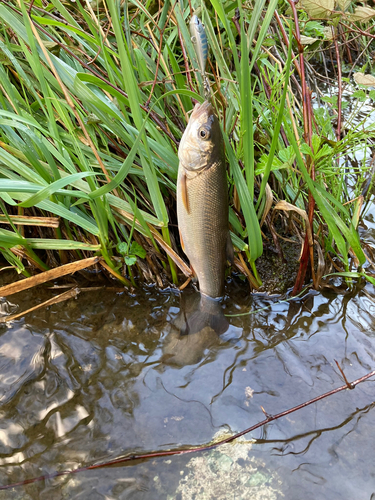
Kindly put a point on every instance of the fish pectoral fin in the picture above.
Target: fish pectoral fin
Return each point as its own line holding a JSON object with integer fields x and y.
{"x": 229, "y": 249}
{"x": 184, "y": 193}
{"x": 181, "y": 240}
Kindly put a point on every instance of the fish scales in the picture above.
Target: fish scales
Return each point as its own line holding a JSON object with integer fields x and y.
{"x": 202, "y": 201}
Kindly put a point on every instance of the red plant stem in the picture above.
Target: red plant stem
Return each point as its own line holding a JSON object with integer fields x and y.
{"x": 358, "y": 30}
{"x": 307, "y": 127}
{"x": 339, "y": 96}
{"x": 147, "y": 103}
{"x": 129, "y": 458}
{"x": 305, "y": 90}
{"x": 186, "y": 62}
{"x": 286, "y": 41}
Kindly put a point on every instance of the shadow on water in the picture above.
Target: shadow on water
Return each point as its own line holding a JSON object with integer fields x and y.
{"x": 111, "y": 373}
{"x": 199, "y": 329}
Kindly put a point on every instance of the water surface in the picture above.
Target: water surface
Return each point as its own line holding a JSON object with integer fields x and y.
{"x": 93, "y": 378}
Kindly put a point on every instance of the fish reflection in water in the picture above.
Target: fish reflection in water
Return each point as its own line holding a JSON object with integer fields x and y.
{"x": 198, "y": 328}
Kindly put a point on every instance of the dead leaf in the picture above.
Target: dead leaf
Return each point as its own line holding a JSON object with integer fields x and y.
{"x": 287, "y": 207}
{"x": 329, "y": 32}
{"x": 362, "y": 14}
{"x": 269, "y": 202}
{"x": 308, "y": 40}
{"x": 321, "y": 263}
{"x": 343, "y": 4}
{"x": 24, "y": 220}
{"x": 318, "y": 8}
{"x": 284, "y": 205}
{"x": 362, "y": 79}
{"x": 52, "y": 274}
{"x": 241, "y": 265}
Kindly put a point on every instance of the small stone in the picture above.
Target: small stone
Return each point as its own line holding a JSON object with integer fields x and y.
{"x": 257, "y": 479}
{"x": 225, "y": 463}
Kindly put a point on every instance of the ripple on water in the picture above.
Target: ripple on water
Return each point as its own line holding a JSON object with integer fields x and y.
{"x": 109, "y": 374}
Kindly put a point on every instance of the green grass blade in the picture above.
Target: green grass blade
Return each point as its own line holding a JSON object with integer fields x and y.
{"x": 280, "y": 117}
{"x": 252, "y": 223}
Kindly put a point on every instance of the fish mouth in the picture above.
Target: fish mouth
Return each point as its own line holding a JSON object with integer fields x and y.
{"x": 199, "y": 110}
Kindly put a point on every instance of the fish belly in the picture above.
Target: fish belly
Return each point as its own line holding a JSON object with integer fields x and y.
{"x": 204, "y": 227}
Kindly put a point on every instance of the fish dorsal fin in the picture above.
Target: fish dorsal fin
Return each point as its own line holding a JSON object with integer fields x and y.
{"x": 184, "y": 193}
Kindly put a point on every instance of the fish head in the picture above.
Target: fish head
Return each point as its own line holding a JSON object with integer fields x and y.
{"x": 201, "y": 145}
{"x": 196, "y": 27}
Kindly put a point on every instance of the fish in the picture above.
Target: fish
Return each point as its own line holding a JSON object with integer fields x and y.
{"x": 199, "y": 39}
{"x": 202, "y": 200}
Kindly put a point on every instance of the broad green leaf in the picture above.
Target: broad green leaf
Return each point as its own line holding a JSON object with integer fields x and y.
{"x": 130, "y": 260}
{"x": 54, "y": 188}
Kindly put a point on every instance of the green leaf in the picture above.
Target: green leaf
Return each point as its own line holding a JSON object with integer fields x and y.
{"x": 360, "y": 95}
{"x": 137, "y": 249}
{"x": 55, "y": 187}
{"x": 124, "y": 169}
{"x": 334, "y": 221}
{"x": 246, "y": 117}
{"x": 130, "y": 260}
{"x": 122, "y": 248}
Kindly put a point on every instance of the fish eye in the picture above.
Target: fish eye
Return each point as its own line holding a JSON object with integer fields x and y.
{"x": 204, "y": 133}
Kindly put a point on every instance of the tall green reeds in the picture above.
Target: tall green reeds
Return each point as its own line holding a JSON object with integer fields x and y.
{"x": 93, "y": 102}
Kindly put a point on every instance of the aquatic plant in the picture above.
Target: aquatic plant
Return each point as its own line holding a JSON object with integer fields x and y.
{"x": 94, "y": 97}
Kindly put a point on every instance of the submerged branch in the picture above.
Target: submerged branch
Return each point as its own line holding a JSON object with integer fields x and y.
{"x": 130, "y": 458}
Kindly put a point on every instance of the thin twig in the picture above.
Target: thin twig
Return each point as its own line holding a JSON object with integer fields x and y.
{"x": 133, "y": 457}
{"x": 186, "y": 62}
{"x": 348, "y": 384}
{"x": 147, "y": 104}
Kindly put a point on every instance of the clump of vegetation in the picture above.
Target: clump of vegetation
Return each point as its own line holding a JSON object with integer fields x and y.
{"x": 94, "y": 97}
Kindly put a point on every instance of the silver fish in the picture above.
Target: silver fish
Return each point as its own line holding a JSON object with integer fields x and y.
{"x": 202, "y": 200}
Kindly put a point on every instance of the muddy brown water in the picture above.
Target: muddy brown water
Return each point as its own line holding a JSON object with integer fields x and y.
{"x": 106, "y": 374}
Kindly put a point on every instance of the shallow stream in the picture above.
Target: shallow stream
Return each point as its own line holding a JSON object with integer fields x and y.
{"x": 106, "y": 374}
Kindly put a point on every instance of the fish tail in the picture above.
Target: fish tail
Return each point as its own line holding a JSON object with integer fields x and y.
{"x": 209, "y": 313}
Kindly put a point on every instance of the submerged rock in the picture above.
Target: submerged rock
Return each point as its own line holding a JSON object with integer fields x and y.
{"x": 229, "y": 471}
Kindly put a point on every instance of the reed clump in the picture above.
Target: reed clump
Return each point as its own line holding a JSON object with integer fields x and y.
{"x": 94, "y": 98}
